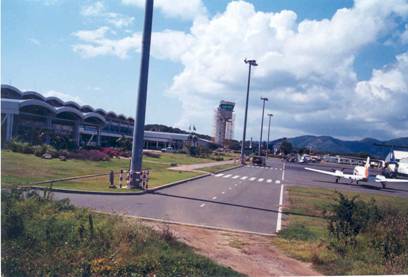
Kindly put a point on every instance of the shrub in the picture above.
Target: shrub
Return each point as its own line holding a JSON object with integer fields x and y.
{"x": 40, "y": 150}
{"x": 347, "y": 218}
{"x": 20, "y": 147}
{"x": 297, "y": 232}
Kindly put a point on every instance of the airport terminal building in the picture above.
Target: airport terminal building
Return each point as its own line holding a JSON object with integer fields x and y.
{"x": 26, "y": 114}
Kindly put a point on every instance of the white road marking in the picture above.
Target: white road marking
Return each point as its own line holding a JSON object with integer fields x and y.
{"x": 215, "y": 197}
{"x": 277, "y": 182}
{"x": 219, "y": 175}
{"x": 223, "y": 192}
{"x": 269, "y": 181}
{"x": 279, "y": 223}
{"x": 202, "y": 205}
{"x": 244, "y": 178}
{"x": 283, "y": 172}
{"x": 261, "y": 179}
{"x": 228, "y": 175}
{"x": 235, "y": 177}
{"x": 252, "y": 179}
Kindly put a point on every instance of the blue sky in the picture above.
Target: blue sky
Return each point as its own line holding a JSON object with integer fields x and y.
{"x": 329, "y": 67}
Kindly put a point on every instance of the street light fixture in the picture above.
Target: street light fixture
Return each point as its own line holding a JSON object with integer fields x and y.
{"x": 264, "y": 99}
{"x": 269, "y": 129}
{"x": 250, "y": 64}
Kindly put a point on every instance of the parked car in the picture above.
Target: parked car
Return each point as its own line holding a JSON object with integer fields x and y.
{"x": 259, "y": 160}
{"x": 168, "y": 149}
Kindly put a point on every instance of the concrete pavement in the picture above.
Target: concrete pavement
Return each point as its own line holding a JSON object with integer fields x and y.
{"x": 245, "y": 199}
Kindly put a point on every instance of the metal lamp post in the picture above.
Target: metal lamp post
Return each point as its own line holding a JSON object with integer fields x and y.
{"x": 138, "y": 128}
{"x": 264, "y": 99}
{"x": 269, "y": 129}
{"x": 250, "y": 63}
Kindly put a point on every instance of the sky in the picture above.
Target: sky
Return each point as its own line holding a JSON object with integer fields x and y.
{"x": 328, "y": 67}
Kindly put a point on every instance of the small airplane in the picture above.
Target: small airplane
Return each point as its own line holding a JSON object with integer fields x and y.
{"x": 360, "y": 174}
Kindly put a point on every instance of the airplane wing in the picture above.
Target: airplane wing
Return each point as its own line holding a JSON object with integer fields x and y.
{"x": 337, "y": 173}
{"x": 383, "y": 179}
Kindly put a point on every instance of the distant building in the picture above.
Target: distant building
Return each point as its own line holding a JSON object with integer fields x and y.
{"x": 29, "y": 115}
{"x": 224, "y": 122}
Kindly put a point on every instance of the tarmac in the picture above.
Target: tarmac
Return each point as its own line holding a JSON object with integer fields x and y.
{"x": 246, "y": 199}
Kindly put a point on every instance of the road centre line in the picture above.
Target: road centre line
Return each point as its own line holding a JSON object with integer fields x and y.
{"x": 261, "y": 179}
{"x": 235, "y": 177}
{"x": 244, "y": 178}
{"x": 252, "y": 179}
{"x": 219, "y": 175}
{"x": 269, "y": 181}
{"x": 228, "y": 175}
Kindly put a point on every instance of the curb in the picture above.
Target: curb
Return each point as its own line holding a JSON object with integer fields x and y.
{"x": 190, "y": 224}
{"x": 88, "y": 192}
{"x": 152, "y": 190}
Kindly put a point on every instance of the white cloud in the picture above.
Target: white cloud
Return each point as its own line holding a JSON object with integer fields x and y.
{"x": 99, "y": 10}
{"x": 63, "y": 96}
{"x": 97, "y": 43}
{"x": 183, "y": 9}
{"x": 306, "y": 68}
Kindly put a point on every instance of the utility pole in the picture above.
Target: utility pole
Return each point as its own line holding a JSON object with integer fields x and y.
{"x": 138, "y": 128}
{"x": 269, "y": 130}
{"x": 250, "y": 63}
{"x": 264, "y": 99}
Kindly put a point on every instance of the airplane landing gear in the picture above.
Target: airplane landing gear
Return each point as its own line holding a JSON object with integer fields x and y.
{"x": 383, "y": 185}
{"x": 337, "y": 180}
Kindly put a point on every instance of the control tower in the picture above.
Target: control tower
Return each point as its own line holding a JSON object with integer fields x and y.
{"x": 224, "y": 122}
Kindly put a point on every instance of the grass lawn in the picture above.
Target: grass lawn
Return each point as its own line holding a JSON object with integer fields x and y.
{"x": 305, "y": 235}
{"x": 22, "y": 169}
{"x": 216, "y": 168}
{"x": 41, "y": 237}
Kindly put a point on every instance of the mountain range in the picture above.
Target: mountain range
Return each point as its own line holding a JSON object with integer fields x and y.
{"x": 326, "y": 144}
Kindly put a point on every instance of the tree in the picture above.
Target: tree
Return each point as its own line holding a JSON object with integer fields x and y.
{"x": 286, "y": 147}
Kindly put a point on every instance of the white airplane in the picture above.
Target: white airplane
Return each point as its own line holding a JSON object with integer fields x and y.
{"x": 360, "y": 174}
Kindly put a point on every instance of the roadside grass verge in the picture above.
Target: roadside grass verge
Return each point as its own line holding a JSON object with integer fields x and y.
{"x": 22, "y": 169}
{"x": 306, "y": 234}
{"x": 213, "y": 169}
{"x": 41, "y": 237}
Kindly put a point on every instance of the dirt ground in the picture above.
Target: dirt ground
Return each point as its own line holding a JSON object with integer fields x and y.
{"x": 253, "y": 255}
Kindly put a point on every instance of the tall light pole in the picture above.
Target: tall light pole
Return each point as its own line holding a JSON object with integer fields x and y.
{"x": 138, "y": 127}
{"x": 269, "y": 129}
{"x": 264, "y": 99}
{"x": 250, "y": 63}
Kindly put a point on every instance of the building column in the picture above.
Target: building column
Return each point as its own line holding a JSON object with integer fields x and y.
{"x": 9, "y": 127}
{"x": 157, "y": 144}
{"x": 49, "y": 128}
{"x": 98, "y": 138}
{"x": 77, "y": 135}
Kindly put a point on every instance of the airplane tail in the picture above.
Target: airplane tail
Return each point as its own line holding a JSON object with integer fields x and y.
{"x": 367, "y": 166}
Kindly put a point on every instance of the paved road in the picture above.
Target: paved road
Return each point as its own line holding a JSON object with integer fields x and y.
{"x": 245, "y": 198}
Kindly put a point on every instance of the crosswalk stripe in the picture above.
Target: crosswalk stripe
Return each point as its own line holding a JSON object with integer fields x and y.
{"x": 261, "y": 179}
{"x": 277, "y": 182}
{"x": 252, "y": 179}
{"x": 244, "y": 178}
{"x": 219, "y": 175}
{"x": 228, "y": 175}
{"x": 269, "y": 181}
{"x": 235, "y": 177}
